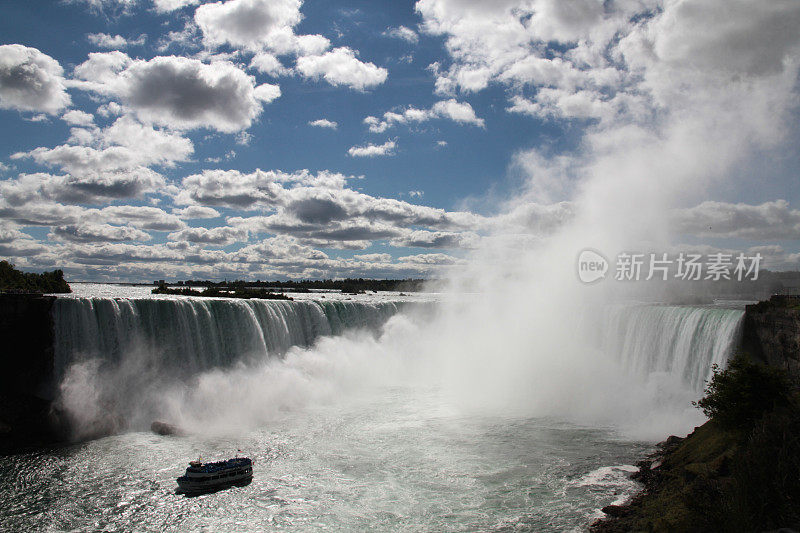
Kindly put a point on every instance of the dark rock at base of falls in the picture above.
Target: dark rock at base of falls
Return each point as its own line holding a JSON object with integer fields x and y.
{"x": 163, "y": 428}
{"x": 27, "y": 416}
{"x": 616, "y": 510}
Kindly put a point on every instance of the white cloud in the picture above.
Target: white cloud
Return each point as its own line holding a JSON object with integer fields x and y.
{"x": 138, "y": 216}
{"x": 373, "y": 258}
{"x": 248, "y": 23}
{"x": 196, "y": 211}
{"x": 89, "y": 189}
{"x": 510, "y": 42}
{"x": 178, "y": 92}
{"x": 219, "y": 236}
{"x": 340, "y": 66}
{"x": 620, "y": 62}
{"x": 125, "y": 145}
{"x": 461, "y": 112}
{"x": 457, "y": 111}
{"x": 115, "y": 42}
{"x": 404, "y": 33}
{"x": 267, "y": 63}
{"x": 116, "y": 6}
{"x": 31, "y": 80}
{"x": 77, "y": 117}
{"x": 230, "y": 188}
{"x": 437, "y": 239}
{"x": 372, "y": 150}
{"x": 267, "y": 92}
{"x": 430, "y": 260}
{"x": 324, "y": 123}
{"x": 262, "y": 26}
{"x": 167, "y": 6}
{"x": 322, "y": 211}
{"x": 104, "y": 40}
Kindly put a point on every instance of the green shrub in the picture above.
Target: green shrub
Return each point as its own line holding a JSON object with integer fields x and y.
{"x": 13, "y": 280}
{"x": 739, "y": 396}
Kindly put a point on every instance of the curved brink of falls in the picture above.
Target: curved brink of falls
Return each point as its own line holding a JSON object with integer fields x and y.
{"x": 190, "y": 335}
{"x": 120, "y": 363}
{"x": 682, "y": 341}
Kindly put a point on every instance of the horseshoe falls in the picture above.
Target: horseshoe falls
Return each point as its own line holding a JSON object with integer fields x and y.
{"x": 344, "y": 405}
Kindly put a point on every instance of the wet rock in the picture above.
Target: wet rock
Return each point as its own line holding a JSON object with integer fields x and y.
{"x": 616, "y": 511}
{"x": 163, "y": 428}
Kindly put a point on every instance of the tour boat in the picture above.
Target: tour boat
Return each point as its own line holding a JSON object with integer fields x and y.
{"x": 207, "y": 477}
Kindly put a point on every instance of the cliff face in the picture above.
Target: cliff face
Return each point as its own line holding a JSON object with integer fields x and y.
{"x": 772, "y": 333}
{"x": 26, "y": 372}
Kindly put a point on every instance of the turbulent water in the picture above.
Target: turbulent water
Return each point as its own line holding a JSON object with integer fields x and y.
{"x": 345, "y": 436}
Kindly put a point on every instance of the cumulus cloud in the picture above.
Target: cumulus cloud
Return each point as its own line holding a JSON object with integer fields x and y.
{"x": 231, "y": 188}
{"x": 437, "y": 239}
{"x": 430, "y": 259}
{"x": 508, "y": 42}
{"x": 15, "y": 243}
{"x": 138, "y": 216}
{"x": 321, "y": 210}
{"x": 619, "y": 60}
{"x": 109, "y": 163}
{"x": 76, "y": 117}
{"x": 178, "y": 92}
{"x": 93, "y": 232}
{"x": 91, "y": 189}
{"x": 267, "y": 63}
{"x": 196, "y": 211}
{"x": 324, "y": 123}
{"x": 461, "y": 112}
{"x": 31, "y": 80}
{"x": 404, "y": 33}
{"x": 247, "y": 23}
{"x": 340, "y": 66}
{"x": 373, "y": 150}
{"x": 219, "y": 236}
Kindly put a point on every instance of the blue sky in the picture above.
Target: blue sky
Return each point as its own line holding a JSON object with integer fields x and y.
{"x": 177, "y": 138}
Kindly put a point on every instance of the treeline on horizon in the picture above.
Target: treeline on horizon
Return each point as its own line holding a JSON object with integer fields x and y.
{"x": 344, "y": 285}
{"x": 16, "y": 281}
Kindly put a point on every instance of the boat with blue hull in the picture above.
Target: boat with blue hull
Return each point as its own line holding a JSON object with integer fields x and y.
{"x": 203, "y": 477}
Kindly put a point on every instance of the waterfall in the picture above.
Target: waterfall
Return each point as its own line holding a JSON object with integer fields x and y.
{"x": 678, "y": 340}
{"x": 122, "y": 363}
{"x": 189, "y": 335}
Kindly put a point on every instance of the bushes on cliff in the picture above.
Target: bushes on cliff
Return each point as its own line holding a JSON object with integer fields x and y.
{"x": 739, "y": 396}
{"x": 13, "y": 280}
{"x": 755, "y": 404}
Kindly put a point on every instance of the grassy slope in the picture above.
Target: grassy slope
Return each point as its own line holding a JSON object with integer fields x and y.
{"x": 741, "y": 475}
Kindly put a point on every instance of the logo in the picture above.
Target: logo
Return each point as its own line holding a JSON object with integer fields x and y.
{"x": 591, "y": 266}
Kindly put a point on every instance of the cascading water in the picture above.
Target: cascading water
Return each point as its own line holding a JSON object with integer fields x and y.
{"x": 118, "y": 361}
{"x": 684, "y": 342}
{"x": 132, "y": 358}
{"x": 191, "y": 334}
